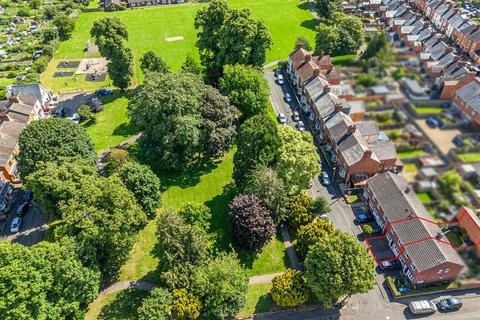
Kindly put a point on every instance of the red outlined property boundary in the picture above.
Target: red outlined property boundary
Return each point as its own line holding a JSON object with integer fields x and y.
{"x": 402, "y": 247}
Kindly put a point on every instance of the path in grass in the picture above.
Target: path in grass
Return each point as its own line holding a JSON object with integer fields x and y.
{"x": 285, "y": 19}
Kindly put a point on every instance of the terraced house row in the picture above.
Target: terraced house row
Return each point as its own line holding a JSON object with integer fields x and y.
{"x": 354, "y": 145}
{"x": 448, "y": 65}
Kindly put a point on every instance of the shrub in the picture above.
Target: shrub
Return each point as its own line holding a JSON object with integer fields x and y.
{"x": 311, "y": 233}
{"x": 197, "y": 214}
{"x": 252, "y": 223}
{"x": 116, "y": 159}
{"x": 298, "y": 210}
{"x": 367, "y": 229}
{"x": 185, "y": 305}
{"x": 289, "y": 289}
{"x": 85, "y": 114}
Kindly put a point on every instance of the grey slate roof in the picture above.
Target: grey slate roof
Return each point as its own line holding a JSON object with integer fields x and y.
{"x": 368, "y": 128}
{"x": 470, "y": 93}
{"x": 384, "y": 150}
{"x": 399, "y": 202}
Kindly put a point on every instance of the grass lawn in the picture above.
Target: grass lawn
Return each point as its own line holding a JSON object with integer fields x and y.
{"x": 469, "y": 157}
{"x": 345, "y": 60}
{"x": 425, "y": 197}
{"x": 410, "y": 168}
{"x": 429, "y": 110}
{"x": 112, "y": 126}
{"x": 258, "y": 299}
{"x": 177, "y": 20}
{"x": 211, "y": 185}
{"x": 121, "y": 305}
{"x": 410, "y": 153}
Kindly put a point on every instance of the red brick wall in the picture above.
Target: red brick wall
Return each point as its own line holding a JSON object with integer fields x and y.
{"x": 469, "y": 224}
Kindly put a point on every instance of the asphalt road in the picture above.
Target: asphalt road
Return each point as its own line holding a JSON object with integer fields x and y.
{"x": 378, "y": 303}
{"x": 33, "y": 226}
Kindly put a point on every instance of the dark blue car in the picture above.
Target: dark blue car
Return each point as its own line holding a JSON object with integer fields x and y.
{"x": 104, "y": 92}
{"x": 364, "y": 218}
{"x": 27, "y": 196}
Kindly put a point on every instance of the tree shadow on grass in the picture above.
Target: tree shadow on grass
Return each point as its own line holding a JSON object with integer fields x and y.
{"x": 264, "y": 303}
{"x": 126, "y": 129}
{"x": 169, "y": 178}
{"x": 220, "y": 224}
{"x": 304, "y": 6}
{"x": 124, "y": 305}
{"x": 311, "y": 24}
{"x": 247, "y": 258}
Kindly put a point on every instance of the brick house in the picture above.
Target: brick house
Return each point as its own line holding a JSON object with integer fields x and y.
{"x": 424, "y": 252}
{"x": 467, "y": 101}
{"x": 470, "y": 222}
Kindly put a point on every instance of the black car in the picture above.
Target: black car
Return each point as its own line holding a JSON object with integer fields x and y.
{"x": 27, "y": 196}
{"x": 23, "y": 208}
{"x": 449, "y": 304}
{"x": 389, "y": 265}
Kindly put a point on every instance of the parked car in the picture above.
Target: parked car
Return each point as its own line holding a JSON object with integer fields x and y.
{"x": 104, "y": 92}
{"x": 27, "y": 196}
{"x": 296, "y": 116}
{"x": 288, "y": 97}
{"x": 449, "y": 304}
{"x": 324, "y": 217}
{"x": 23, "y": 208}
{"x": 281, "y": 118}
{"x": 301, "y": 126}
{"x": 389, "y": 265}
{"x": 15, "y": 226}
{"x": 422, "y": 307}
{"x": 280, "y": 79}
{"x": 75, "y": 118}
{"x": 364, "y": 218}
{"x": 325, "y": 178}
{"x": 278, "y": 72}
{"x": 432, "y": 122}
{"x": 458, "y": 141}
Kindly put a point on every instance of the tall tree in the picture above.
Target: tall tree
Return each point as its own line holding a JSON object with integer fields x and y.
{"x": 252, "y": 223}
{"x": 326, "y": 8}
{"x": 340, "y": 35}
{"x": 144, "y": 185}
{"x": 191, "y": 65}
{"x": 182, "y": 122}
{"x": 45, "y": 281}
{"x": 257, "y": 144}
{"x": 222, "y": 284}
{"x": 50, "y": 139}
{"x": 120, "y": 67}
{"x": 246, "y": 88}
{"x": 299, "y": 210}
{"x": 109, "y": 27}
{"x": 376, "y": 42}
{"x": 311, "y": 233}
{"x": 180, "y": 248}
{"x": 150, "y": 62}
{"x": 268, "y": 187}
{"x": 196, "y": 214}
{"x": 338, "y": 265}
{"x": 297, "y": 160}
{"x": 229, "y": 36}
{"x": 302, "y": 42}
{"x": 156, "y": 305}
{"x": 65, "y": 26}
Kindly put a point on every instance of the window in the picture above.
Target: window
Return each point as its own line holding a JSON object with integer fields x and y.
{"x": 420, "y": 281}
{"x": 414, "y": 267}
{"x": 439, "y": 271}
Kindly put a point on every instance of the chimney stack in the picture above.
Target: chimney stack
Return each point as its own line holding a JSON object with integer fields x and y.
{"x": 351, "y": 129}
{"x": 326, "y": 89}
{"x": 338, "y": 107}
{"x": 367, "y": 153}
{"x": 13, "y": 99}
{"x": 308, "y": 57}
{"x": 316, "y": 72}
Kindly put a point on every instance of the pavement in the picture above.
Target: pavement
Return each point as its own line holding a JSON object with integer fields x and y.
{"x": 442, "y": 138}
{"x": 377, "y": 304}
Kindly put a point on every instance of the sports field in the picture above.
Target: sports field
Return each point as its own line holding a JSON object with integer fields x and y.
{"x": 150, "y": 27}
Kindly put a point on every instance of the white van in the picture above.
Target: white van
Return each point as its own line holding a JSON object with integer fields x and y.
{"x": 422, "y": 307}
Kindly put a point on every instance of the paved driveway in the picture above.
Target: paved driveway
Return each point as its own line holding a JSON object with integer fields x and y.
{"x": 440, "y": 137}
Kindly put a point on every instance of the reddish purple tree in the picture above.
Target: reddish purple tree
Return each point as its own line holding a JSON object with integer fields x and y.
{"x": 252, "y": 223}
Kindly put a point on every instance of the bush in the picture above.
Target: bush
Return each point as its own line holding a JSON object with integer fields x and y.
{"x": 85, "y": 114}
{"x": 289, "y": 289}
{"x": 367, "y": 229}
{"x": 197, "y": 214}
{"x": 298, "y": 210}
{"x": 252, "y": 223}
{"x": 311, "y": 233}
{"x": 185, "y": 305}
{"x": 116, "y": 159}
{"x": 366, "y": 79}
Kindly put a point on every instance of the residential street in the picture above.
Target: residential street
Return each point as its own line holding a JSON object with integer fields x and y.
{"x": 376, "y": 304}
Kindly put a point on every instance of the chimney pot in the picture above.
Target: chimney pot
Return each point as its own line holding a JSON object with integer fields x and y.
{"x": 351, "y": 128}
{"x": 367, "y": 153}
{"x": 316, "y": 72}
{"x": 308, "y": 57}
{"x": 338, "y": 107}
{"x": 326, "y": 89}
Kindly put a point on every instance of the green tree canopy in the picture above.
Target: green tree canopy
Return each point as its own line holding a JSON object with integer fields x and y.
{"x": 264, "y": 182}
{"x": 183, "y": 122}
{"x": 302, "y": 42}
{"x": 145, "y": 186}
{"x": 116, "y": 159}
{"x": 65, "y": 25}
{"x": 185, "y": 305}
{"x": 289, "y": 289}
{"x": 299, "y": 211}
{"x": 246, "y": 88}
{"x": 311, "y": 233}
{"x": 156, "y": 305}
{"x": 338, "y": 265}
{"x": 257, "y": 144}
{"x": 376, "y": 42}
{"x": 101, "y": 214}
{"x": 196, "y": 214}
{"x": 45, "y": 281}
{"x": 150, "y": 62}
{"x": 222, "y": 285}
{"x": 342, "y": 34}
{"x": 50, "y": 139}
{"x": 181, "y": 248}
{"x": 298, "y": 160}
{"x": 326, "y": 8}
{"x": 229, "y": 36}
{"x": 191, "y": 65}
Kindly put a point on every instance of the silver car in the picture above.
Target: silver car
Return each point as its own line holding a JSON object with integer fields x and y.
{"x": 301, "y": 126}
{"x": 15, "y": 226}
